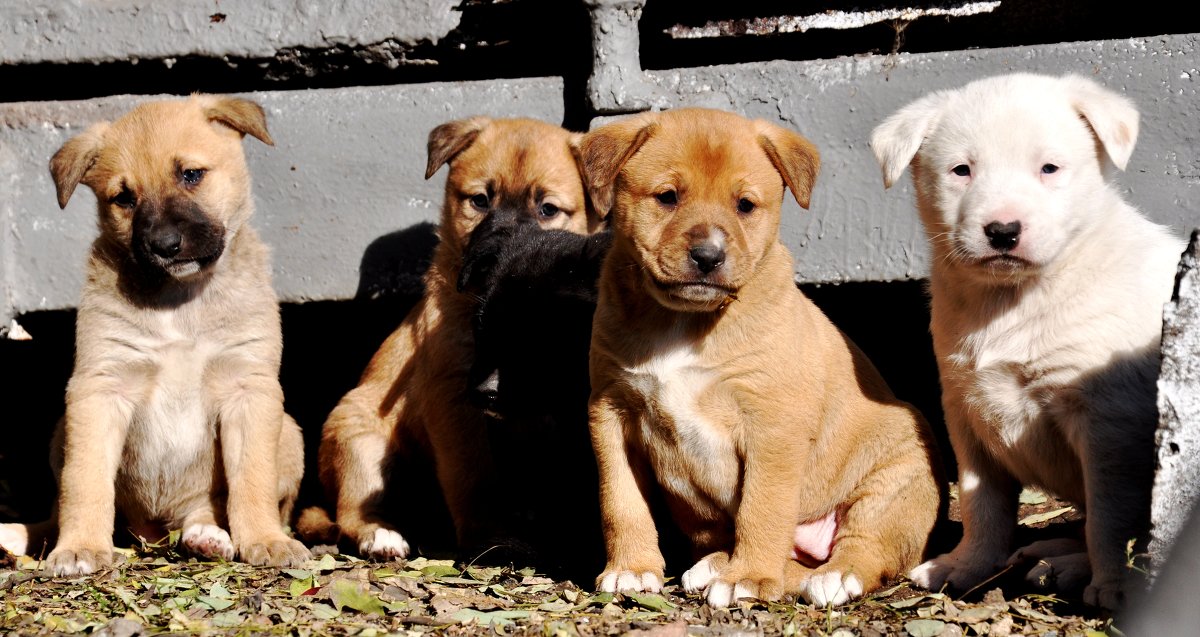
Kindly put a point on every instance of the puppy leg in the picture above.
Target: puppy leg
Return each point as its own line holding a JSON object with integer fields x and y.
{"x": 353, "y": 449}
{"x": 987, "y": 496}
{"x": 630, "y": 537}
{"x": 291, "y": 467}
{"x": 94, "y": 429}
{"x": 882, "y": 532}
{"x": 764, "y": 525}
{"x": 1118, "y": 475}
{"x": 250, "y": 412}
{"x": 458, "y": 437}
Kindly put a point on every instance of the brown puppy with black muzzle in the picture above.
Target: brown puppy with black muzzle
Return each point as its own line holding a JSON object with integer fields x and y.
{"x": 174, "y": 408}
{"x": 781, "y": 451}
{"x": 413, "y": 393}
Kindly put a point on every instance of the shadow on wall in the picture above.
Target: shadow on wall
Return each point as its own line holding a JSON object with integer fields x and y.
{"x": 327, "y": 344}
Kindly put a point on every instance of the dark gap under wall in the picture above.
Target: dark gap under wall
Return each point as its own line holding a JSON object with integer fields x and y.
{"x": 327, "y": 345}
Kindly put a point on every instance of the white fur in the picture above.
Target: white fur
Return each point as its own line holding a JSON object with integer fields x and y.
{"x": 628, "y": 581}
{"x": 673, "y": 382}
{"x": 831, "y": 589}
{"x": 384, "y": 544}
{"x": 699, "y": 576}
{"x": 1047, "y": 369}
{"x": 14, "y": 538}
{"x": 208, "y": 540}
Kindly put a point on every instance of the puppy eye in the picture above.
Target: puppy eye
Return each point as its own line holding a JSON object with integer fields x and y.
{"x": 125, "y": 198}
{"x": 480, "y": 202}
{"x": 548, "y": 210}
{"x": 667, "y": 198}
{"x": 1049, "y": 169}
{"x": 745, "y": 206}
{"x": 192, "y": 176}
{"x": 962, "y": 170}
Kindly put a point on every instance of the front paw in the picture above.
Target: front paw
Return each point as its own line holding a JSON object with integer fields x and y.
{"x": 281, "y": 552}
{"x": 724, "y": 592}
{"x": 1109, "y": 595}
{"x": 956, "y": 570}
{"x": 378, "y": 543}
{"x": 831, "y": 588}
{"x": 207, "y": 541}
{"x": 616, "y": 580}
{"x": 70, "y": 561}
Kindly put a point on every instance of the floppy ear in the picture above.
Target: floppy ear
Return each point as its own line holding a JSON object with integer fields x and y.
{"x": 449, "y": 139}
{"x": 1112, "y": 116}
{"x": 896, "y": 141}
{"x": 69, "y": 165}
{"x": 595, "y": 220}
{"x": 243, "y": 116}
{"x": 605, "y": 151}
{"x": 796, "y": 159}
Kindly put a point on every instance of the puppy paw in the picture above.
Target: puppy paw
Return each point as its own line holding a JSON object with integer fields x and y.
{"x": 1108, "y": 595}
{"x": 1061, "y": 573}
{"x": 208, "y": 541}
{"x": 69, "y": 561}
{"x": 1047, "y": 548}
{"x": 383, "y": 544}
{"x": 699, "y": 576}
{"x": 14, "y": 538}
{"x": 618, "y": 581}
{"x": 831, "y": 588}
{"x": 282, "y": 552}
{"x": 953, "y": 570}
{"x": 722, "y": 593}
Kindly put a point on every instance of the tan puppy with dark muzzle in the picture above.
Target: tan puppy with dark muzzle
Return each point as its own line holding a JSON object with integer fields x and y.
{"x": 774, "y": 438}
{"x": 174, "y": 409}
{"x": 413, "y": 393}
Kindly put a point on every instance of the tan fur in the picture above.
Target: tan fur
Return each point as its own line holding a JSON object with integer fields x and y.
{"x": 412, "y": 393}
{"x": 742, "y": 401}
{"x": 174, "y": 409}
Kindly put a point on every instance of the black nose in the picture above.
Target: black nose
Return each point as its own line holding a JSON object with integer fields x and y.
{"x": 1003, "y": 236}
{"x": 707, "y": 257}
{"x": 166, "y": 244}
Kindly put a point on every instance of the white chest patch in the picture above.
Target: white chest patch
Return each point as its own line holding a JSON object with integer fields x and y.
{"x": 173, "y": 429}
{"x": 693, "y": 456}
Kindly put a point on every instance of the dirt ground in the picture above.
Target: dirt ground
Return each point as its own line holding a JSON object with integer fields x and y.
{"x": 152, "y": 589}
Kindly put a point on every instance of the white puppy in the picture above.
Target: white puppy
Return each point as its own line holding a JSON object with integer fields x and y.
{"x": 1047, "y": 296}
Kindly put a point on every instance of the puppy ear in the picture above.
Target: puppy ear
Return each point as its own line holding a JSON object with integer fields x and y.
{"x": 449, "y": 139}
{"x": 71, "y": 163}
{"x": 796, "y": 159}
{"x": 1112, "y": 116}
{"x": 896, "y": 141}
{"x": 243, "y": 116}
{"x": 605, "y": 151}
{"x": 595, "y": 220}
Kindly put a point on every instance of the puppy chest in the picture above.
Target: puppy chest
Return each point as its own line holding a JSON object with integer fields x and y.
{"x": 172, "y": 437}
{"x": 687, "y": 429}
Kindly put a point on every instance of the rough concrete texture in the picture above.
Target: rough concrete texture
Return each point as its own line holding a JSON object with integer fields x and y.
{"x": 617, "y": 83}
{"x": 74, "y": 31}
{"x": 1177, "y": 483}
{"x": 347, "y": 170}
{"x": 855, "y": 231}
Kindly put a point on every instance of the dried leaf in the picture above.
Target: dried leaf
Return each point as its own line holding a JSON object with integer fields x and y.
{"x": 1038, "y": 518}
{"x": 651, "y": 601}
{"x": 924, "y": 627}
{"x": 348, "y": 593}
{"x": 1032, "y": 496}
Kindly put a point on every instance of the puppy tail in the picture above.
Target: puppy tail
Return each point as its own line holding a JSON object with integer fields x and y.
{"x": 316, "y": 527}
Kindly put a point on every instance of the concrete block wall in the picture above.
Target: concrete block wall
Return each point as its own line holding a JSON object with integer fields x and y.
{"x": 352, "y": 89}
